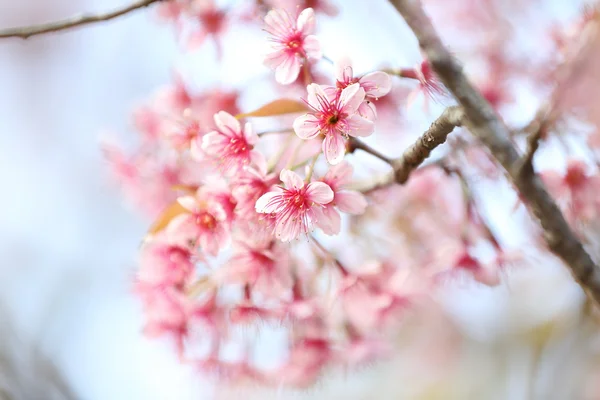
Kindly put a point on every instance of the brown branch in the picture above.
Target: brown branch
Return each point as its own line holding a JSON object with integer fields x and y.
{"x": 26, "y": 32}
{"x": 357, "y": 144}
{"x": 483, "y": 122}
{"x": 422, "y": 148}
{"x": 417, "y": 153}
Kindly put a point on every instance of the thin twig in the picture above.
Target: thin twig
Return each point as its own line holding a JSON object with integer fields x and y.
{"x": 357, "y": 144}
{"x": 26, "y": 32}
{"x": 482, "y": 121}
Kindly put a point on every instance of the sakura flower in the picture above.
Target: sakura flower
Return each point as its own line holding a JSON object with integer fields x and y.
{"x": 375, "y": 84}
{"x": 165, "y": 264}
{"x": 205, "y": 222}
{"x": 348, "y": 201}
{"x": 293, "y": 43}
{"x": 229, "y": 144}
{"x": 248, "y": 186}
{"x": 335, "y": 117}
{"x": 296, "y": 206}
{"x": 429, "y": 84}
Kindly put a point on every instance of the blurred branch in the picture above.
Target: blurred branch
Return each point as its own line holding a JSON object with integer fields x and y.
{"x": 548, "y": 113}
{"x": 26, "y": 32}
{"x": 357, "y": 144}
{"x": 483, "y": 122}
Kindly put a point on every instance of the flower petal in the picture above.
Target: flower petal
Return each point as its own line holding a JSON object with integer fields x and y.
{"x": 351, "y": 98}
{"x": 188, "y": 202}
{"x": 359, "y": 126}
{"x": 306, "y": 126}
{"x": 211, "y": 143}
{"x": 267, "y": 203}
{"x": 312, "y": 47}
{"x": 376, "y": 84}
{"x": 329, "y": 220}
{"x": 227, "y": 124}
{"x": 343, "y": 69}
{"x": 288, "y": 71}
{"x": 339, "y": 175}
{"x": 249, "y": 134}
{"x": 334, "y": 148}
{"x": 306, "y": 21}
{"x": 319, "y": 192}
{"x": 291, "y": 179}
{"x": 351, "y": 202}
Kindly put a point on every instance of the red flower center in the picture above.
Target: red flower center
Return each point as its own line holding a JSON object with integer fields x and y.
{"x": 206, "y": 220}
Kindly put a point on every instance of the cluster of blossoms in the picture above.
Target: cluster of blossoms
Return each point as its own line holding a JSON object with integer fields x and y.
{"x": 267, "y": 228}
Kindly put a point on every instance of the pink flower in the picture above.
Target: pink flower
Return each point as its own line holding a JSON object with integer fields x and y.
{"x": 229, "y": 144}
{"x": 165, "y": 264}
{"x": 295, "y": 207}
{"x": 429, "y": 84}
{"x": 348, "y": 201}
{"x": 206, "y": 223}
{"x": 376, "y": 84}
{"x": 248, "y": 186}
{"x": 335, "y": 117}
{"x": 293, "y": 43}
{"x": 263, "y": 266}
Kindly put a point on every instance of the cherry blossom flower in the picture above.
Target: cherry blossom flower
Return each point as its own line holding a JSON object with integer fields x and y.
{"x": 320, "y": 6}
{"x": 231, "y": 145}
{"x": 165, "y": 264}
{"x": 295, "y": 206}
{"x": 293, "y": 43}
{"x": 429, "y": 84}
{"x": 206, "y": 222}
{"x": 249, "y": 185}
{"x": 348, "y": 201}
{"x": 335, "y": 117}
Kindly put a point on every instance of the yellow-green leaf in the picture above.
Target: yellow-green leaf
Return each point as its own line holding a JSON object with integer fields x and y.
{"x": 172, "y": 211}
{"x": 277, "y": 107}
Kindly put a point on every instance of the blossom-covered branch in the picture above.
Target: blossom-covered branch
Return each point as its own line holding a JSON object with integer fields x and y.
{"x": 26, "y": 32}
{"x": 483, "y": 122}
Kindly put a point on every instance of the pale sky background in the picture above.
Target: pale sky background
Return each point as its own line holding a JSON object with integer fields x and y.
{"x": 67, "y": 240}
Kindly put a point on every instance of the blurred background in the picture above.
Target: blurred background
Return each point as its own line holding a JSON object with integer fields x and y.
{"x": 69, "y": 325}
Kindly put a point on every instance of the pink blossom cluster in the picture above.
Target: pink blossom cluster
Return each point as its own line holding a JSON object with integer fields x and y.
{"x": 269, "y": 228}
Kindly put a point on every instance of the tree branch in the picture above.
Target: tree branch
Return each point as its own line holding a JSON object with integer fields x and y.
{"x": 418, "y": 152}
{"x": 422, "y": 148}
{"x": 483, "y": 122}
{"x": 26, "y": 32}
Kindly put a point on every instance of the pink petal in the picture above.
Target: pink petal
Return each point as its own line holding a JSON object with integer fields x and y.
{"x": 312, "y": 47}
{"x": 319, "y": 192}
{"x": 265, "y": 205}
{"x": 306, "y": 21}
{"x": 306, "y": 126}
{"x": 196, "y": 149}
{"x": 339, "y": 175}
{"x": 226, "y": 123}
{"x": 316, "y": 94}
{"x": 288, "y": 71}
{"x": 351, "y": 202}
{"x": 274, "y": 59}
{"x": 359, "y": 126}
{"x": 188, "y": 202}
{"x": 368, "y": 111}
{"x": 181, "y": 230}
{"x": 329, "y": 221}
{"x": 334, "y": 148}
{"x": 291, "y": 179}
{"x": 376, "y": 84}
{"x": 211, "y": 143}
{"x": 343, "y": 69}
{"x": 351, "y": 98}
{"x": 249, "y": 134}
